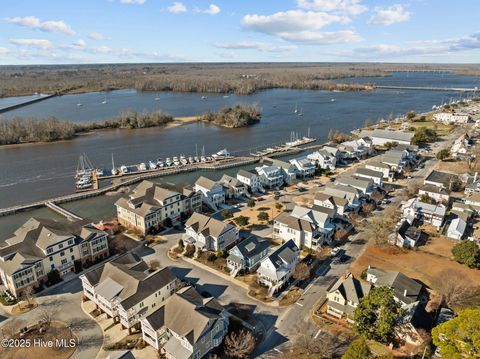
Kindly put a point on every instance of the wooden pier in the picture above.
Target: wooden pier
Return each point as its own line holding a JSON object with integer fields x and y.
{"x": 129, "y": 180}
{"x": 63, "y": 212}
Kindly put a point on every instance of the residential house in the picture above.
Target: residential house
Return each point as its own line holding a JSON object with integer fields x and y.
{"x": 151, "y": 204}
{"x": 438, "y": 194}
{"x": 307, "y": 227}
{"x": 345, "y": 295}
{"x": 211, "y": 191}
{"x": 127, "y": 290}
{"x": 440, "y": 179}
{"x": 461, "y": 147}
{"x": 247, "y": 254}
{"x": 270, "y": 176}
{"x": 473, "y": 200}
{"x": 208, "y": 233}
{"x": 459, "y": 208}
{"x": 303, "y": 167}
{"x": 414, "y": 208}
{"x": 366, "y": 173}
{"x": 333, "y": 151}
{"x": 456, "y": 229}
{"x": 287, "y": 169}
{"x": 395, "y": 160}
{"x": 406, "y": 290}
{"x": 406, "y": 236}
{"x": 323, "y": 159}
{"x": 352, "y": 195}
{"x": 250, "y": 179}
{"x": 356, "y": 149}
{"x": 381, "y": 137}
{"x": 40, "y": 246}
{"x": 232, "y": 187}
{"x": 451, "y": 118}
{"x": 364, "y": 186}
{"x": 186, "y": 325}
{"x": 276, "y": 269}
{"x": 379, "y": 167}
{"x": 338, "y": 204}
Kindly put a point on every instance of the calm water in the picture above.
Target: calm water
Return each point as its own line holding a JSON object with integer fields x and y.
{"x": 34, "y": 172}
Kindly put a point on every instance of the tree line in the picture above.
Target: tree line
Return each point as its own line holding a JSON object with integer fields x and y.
{"x": 28, "y": 129}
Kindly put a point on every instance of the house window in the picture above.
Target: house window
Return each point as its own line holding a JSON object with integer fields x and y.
{"x": 71, "y": 250}
{"x": 53, "y": 266}
{"x": 60, "y": 245}
{"x": 51, "y": 259}
{"x": 62, "y": 254}
{"x": 73, "y": 258}
{"x": 141, "y": 305}
{"x": 64, "y": 261}
{"x": 49, "y": 250}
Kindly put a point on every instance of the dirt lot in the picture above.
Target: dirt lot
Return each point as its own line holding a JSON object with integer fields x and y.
{"x": 253, "y": 212}
{"x": 418, "y": 264}
{"x": 453, "y": 166}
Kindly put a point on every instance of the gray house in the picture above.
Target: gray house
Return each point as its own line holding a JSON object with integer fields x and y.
{"x": 247, "y": 254}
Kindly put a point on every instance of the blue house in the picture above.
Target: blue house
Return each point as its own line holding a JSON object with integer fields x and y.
{"x": 247, "y": 254}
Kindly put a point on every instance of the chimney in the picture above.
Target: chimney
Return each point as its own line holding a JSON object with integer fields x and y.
{"x": 405, "y": 293}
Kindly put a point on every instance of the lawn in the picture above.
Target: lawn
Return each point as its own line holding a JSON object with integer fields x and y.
{"x": 442, "y": 129}
{"x": 290, "y": 297}
{"x": 419, "y": 264}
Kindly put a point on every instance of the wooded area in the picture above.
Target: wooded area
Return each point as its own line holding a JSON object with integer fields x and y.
{"x": 234, "y": 117}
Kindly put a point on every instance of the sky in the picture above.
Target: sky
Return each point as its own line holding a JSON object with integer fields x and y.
{"x": 112, "y": 31}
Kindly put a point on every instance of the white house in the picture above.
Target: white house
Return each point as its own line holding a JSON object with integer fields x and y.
{"x": 212, "y": 192}
{"x": 307, "y": 227}
{"x": 356, "y": 149}
{"x": 440, "y": 179}
{"x": 352, "y": 195}
{"x": 456, "y": 229}
{"x": 278, "y": 267}
{"x": 339, "y": 205}
{"x": 323, "y": 159}
{"x": 232, "y": 187}
{"x": 303, "y": 167}
{"x": 250, "y": 179}
{"x": 366, "y": 173}
{"x": 438, "y": 194}
{"x": 210, "y": 234}
{"x": 270, "y": 176}
{"x": 429, "y": 213}
{"x": 379, "y": 167}
{"x": 407, "y": 236}
{"x": 364, "y": 185}
{"x": 287, "y": 169}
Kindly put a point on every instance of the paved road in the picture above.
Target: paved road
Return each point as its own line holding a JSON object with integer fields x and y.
{"x": 64, "y": 302}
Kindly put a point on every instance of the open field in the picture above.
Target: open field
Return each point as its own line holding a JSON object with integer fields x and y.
{"x": 420, "y": 264}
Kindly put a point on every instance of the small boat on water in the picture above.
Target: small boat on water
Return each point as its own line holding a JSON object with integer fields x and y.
{"x": 124, "y": 169}
{"x": 300, "y": 113}
{"x": 296, "y": 108}
{"x": 104, "y": 102}
{"x": 203, "y": 159}
{"x": 142, "y": 167}
{"x": 221, "y": 154}
{"x": 152, "y": 165}
{"x": 332, "y": 100}
{"x": 79, "y": 104}
{"x": 176, "y": 162}
{"x": 168, "y": 162}
{"x": 204, "y": 97}
{"x": 191, "y": 160}
{"x": 197, "y": 159}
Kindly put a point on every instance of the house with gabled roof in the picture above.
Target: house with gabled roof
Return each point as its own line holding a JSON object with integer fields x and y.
{"x": 379, "y": 167}
{"x": 208, "y": 233}
{"x": 40, "y": 246}
{"x": 276, "y": 269}
{"x": 338, "y": 204}
{"x": 438, "y": 194}
{"x": 352, "y": 195}
{"x": 323, "y": 159}
{"x": 271, "y": 176}
{"x": 247, "y": 254}
{"x": 345, "y": 295}
{"x": 364, "y": 185}
{"x": 380, "y": 137}
{"x": 186, "y": 325}
{"x": 406, "y": 236}
{"x": 233, "y": 187}
{"x": 440, "y": 179}
{"x": 307, "y": 227}
{"x": 287, "y": 169}
{"x": 212, "y": 192}
{"x": 150, "y": 204}
{"x": 303, "y": 167}
{"x": 414, "y": 209}
{"x": 250, "y": 179}
{"x": 458, "y": 226}
{"x": 127, "y": 289}
{"x": 368, "y": 174}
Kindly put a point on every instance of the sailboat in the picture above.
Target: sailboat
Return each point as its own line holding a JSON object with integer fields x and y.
{"x": 104, "y": 102}
{"x": 332, "y": 100}
{"x": 114, "y": 170}
{"x": 157, "y": 98}
{"x": 296, "y": 108}
{"x": 300, "y": 113}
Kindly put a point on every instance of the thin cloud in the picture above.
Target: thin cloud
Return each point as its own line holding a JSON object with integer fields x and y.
{"x": 389, "y": 15}
{"x": 96, "y": 36}
{"x": 4, "y": 50}
{"x": 138, "y": 2}
{"x": 176, "y": 8}
{"x": 254, "y": 45}
{"x": 35, "y": 43}
{"x": 211, "y": 10}
{"x": 348, "y": 7}
{"x": 35, "y": 23}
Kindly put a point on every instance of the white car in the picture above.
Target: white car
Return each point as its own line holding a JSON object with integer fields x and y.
{"x": 335, "y": 251}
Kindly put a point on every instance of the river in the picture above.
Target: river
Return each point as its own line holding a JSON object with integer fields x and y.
{"x": 34, "y": 172}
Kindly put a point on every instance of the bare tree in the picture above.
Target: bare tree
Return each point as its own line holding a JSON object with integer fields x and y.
{"x": 239, "y": 344}
{"x": 457, "y": 292}
{"x": 308, "y": 345}
{"x": 154, "y": 264}
{"x": 379, "y": 227}
{"x": 11, "y": 328}
{"x": 302, "y": 271}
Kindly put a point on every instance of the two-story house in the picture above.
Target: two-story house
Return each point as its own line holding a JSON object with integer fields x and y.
{"x": 288, "y": 170}
{"x": 307, "y": 227}
{"x": 323, "y": 159}
{"x": 41, "y": 246}
{"x": 368, "y": 174}
{"x": 380, "y": 167}
{"x": 211, "y": 191}
{"x": 276, "y": 269}
{"x": 233, "y": 187}
{"x": 208, "y": 233}
{"x": 351, "y": 194}
{"x": 270, "y": 176}
{"x": 127, "y": 290}
{"x": 247, "y": 254}
{"x": 150, "y": 204}
{"x": 345, "y": 295}
{"x": 303, "y": 167}
{"x": 339, "y": 205}
{"x": 186, "y": 325}
{"x": 363, "y": 185}
{"x": 251, "y": 180}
